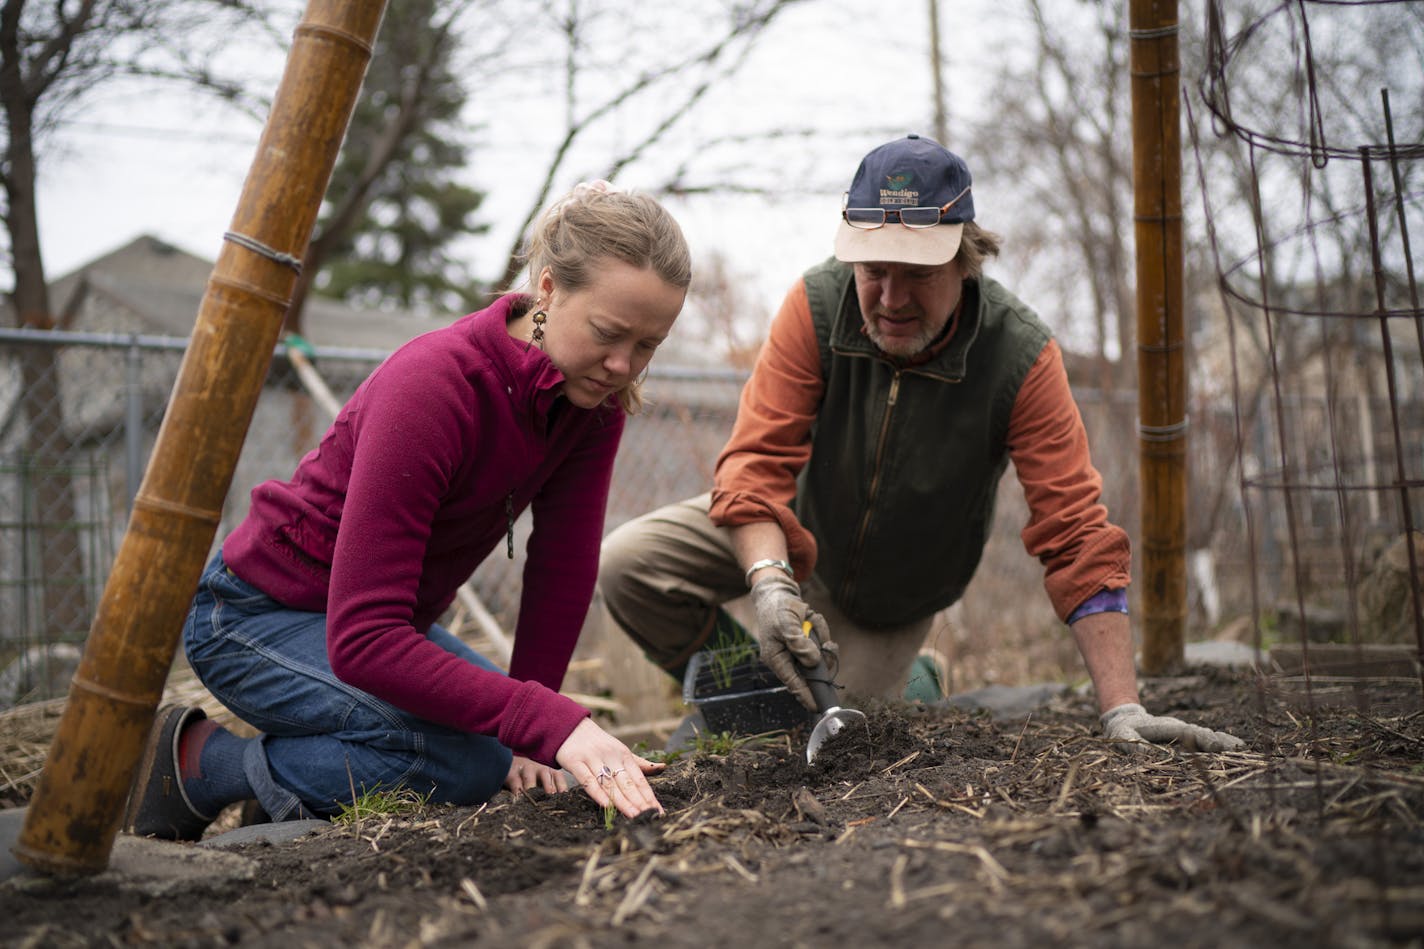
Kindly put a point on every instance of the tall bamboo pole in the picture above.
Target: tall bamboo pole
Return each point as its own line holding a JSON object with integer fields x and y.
{"x": 1161, "y": 366}
{"x": 78, "y": 805}
{"x": 941, "y": 117}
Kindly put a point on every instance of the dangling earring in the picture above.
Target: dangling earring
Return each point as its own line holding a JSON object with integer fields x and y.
{"x": 538, "y": 317}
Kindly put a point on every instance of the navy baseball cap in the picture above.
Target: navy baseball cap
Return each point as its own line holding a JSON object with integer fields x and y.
{"x": 907, "y": 204}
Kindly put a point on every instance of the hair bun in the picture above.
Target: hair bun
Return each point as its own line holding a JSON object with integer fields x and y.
{"x": 580, "y": 194}
{"x": 597, "y": 186}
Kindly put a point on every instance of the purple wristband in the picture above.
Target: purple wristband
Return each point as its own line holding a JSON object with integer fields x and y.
{"x": 1104, "y": 601}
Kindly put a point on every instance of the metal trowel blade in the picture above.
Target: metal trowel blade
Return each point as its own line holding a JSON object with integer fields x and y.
{"x": 829, "y": 725}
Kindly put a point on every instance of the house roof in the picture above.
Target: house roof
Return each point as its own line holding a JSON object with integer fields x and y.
{"x": 162, "y": 287}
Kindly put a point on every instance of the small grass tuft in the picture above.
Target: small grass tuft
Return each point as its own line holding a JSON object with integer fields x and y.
{"x": 655, "y": 755}
{"x": 717, "y": 743}
{"x": 381, "y": 803}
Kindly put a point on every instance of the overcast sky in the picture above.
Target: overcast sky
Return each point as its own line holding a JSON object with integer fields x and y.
{"x": 173, "y": 167}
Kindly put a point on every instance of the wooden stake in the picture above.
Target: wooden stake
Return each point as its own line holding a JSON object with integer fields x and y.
{"x": 1161, "y": 363}
{"x": 79, "y": 802}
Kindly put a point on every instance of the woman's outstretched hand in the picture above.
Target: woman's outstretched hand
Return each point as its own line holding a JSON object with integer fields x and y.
{"x": 608, "y": 772}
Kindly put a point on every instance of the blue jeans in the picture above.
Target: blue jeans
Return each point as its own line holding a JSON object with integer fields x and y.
{"x": 320, "y": 737}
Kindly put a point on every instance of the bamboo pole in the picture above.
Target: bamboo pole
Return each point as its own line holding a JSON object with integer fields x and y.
{"x": 941, "y": 117}
{"x": 1161, "y": 366}
{"x": 1157, "y": 173}
{"x": 78, "y": 805}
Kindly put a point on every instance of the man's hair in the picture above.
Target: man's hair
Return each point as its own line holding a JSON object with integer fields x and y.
{"x": 975, "y": 246}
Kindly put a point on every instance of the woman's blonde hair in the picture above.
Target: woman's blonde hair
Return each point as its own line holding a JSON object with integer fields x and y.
{"x": 595, "y": 222}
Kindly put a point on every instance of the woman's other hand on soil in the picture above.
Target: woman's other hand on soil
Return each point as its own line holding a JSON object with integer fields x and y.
{"x": 608, "y": 772}
{"x": 1131, "y": 726}
{"x": 525, "y": 775}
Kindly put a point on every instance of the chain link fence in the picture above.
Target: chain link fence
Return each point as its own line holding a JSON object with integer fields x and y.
{"x": 81, "y": 413}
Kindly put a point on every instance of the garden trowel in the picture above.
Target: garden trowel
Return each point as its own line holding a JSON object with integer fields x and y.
{"x": 830, "y": 717}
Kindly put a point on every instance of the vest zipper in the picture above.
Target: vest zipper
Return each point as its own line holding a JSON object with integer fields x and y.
{"x": 874, "y": 488}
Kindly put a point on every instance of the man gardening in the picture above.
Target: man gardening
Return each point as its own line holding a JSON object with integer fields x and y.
{"x": 857, "y": 488}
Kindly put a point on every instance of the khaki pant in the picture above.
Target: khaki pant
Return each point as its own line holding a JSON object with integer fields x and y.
{"x": 663, "y": 575}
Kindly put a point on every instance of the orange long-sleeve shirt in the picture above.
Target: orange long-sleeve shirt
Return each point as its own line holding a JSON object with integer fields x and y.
{"x": 1068, "y": 528}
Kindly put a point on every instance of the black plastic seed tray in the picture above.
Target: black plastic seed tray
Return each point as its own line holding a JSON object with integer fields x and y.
{"x": 736, "y": 693}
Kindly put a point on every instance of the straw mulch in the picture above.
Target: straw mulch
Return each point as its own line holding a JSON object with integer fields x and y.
{"x": 932, "y": 824}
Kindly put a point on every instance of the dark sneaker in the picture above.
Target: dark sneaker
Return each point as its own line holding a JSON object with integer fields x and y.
{"x": 158, "y": 806}
{"x": 929, "y": 678}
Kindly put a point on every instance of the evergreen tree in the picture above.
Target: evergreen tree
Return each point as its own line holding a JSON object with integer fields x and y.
{"x": 394, "y": 206}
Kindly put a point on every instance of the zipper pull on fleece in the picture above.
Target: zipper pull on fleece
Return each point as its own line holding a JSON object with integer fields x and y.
{"x": 509, "y": 521}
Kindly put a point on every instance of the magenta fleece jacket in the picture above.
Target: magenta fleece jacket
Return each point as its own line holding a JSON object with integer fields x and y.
{"x": 407, "y": 494}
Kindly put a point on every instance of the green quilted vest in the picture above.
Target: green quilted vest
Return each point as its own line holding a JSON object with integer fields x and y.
{"x": 899, "y": 490}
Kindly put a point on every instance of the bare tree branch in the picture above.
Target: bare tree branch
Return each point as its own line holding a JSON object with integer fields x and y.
{"x": 745, "y": 29}
{"x": 382, "y": 152}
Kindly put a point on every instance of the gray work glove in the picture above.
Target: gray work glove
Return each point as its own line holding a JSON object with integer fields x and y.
{"x": 780, "y": 631}
{"x": 1129, "y": 725}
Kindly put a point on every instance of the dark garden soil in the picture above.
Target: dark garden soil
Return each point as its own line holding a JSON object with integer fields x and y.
{"x": 931, "y": 827}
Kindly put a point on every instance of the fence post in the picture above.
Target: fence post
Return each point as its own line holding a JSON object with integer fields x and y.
{"x": 133, "y": 421}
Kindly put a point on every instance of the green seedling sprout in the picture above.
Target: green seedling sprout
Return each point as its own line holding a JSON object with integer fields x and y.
{"x": 716, "y": 743}
{"x": 727, "y": 659}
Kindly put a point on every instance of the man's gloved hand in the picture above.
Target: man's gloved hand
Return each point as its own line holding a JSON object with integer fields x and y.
{"x": 780, "y": 613}
{"x": 1129, "y": 725}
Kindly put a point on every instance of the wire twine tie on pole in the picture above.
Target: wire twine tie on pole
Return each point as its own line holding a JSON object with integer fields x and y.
{"x": 1162, "y": 433}
{"x": 1160, "y": 32}
{"x": 257, "y": 247}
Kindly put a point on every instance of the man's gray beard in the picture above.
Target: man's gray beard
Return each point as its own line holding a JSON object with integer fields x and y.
{"x": 913, "y": 347}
